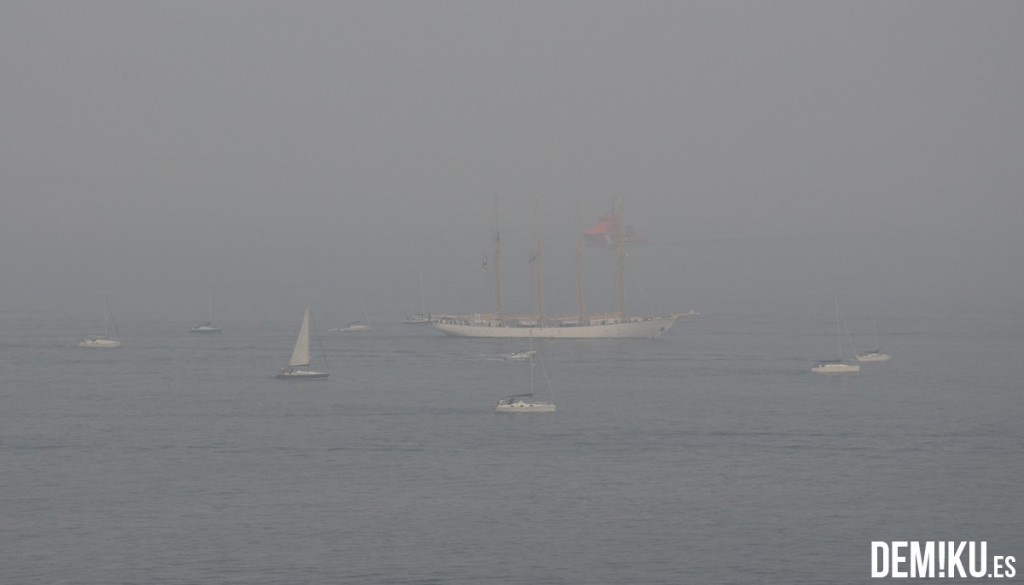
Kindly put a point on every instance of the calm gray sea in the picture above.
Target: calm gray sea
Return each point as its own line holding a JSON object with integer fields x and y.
{"x": 712, "y": 455}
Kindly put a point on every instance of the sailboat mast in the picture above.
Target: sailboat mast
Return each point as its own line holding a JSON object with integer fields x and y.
{"x": 423, "y": 304}
{"x": 839, "y": 338}
{"x": 497, "y": 262}
{"x": 579, "y": 266}
{"x": 531, "y": 364}
{"x": 117, "y": 334}
{"x": 621, "y": 236}
{"x": 536, "y": 260}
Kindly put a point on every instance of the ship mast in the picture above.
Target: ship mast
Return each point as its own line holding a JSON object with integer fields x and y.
{"x": 497, "y": 262}
{"x": 621, "y": 263}
{"x": 579, "y": 266}
{"x": 536, "y": 260}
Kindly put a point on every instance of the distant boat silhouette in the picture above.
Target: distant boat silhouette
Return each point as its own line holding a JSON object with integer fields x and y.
{"x": 207, "y": 327}
{"x": 103, "y": 341}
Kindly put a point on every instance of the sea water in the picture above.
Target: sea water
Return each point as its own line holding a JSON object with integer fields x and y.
{"x": 710, "y": 455}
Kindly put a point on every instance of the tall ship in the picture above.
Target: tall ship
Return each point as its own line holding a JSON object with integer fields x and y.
{"x": 579, "y": 326}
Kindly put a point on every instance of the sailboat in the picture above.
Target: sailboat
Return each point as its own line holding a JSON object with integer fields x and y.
{"x": 518, "y": 355}
{"x": 579, "y": 326}
{"x": 836, "y": 366}
{"x": 207, "y": 327}
{"x": 355, "y": 326}
{"x": 298, "y": 366}
{"x": 873, "y": 355}
{"x": 521, "y": 403}
{"x": 423, "y": 317}
{"x": 103, "y": 341}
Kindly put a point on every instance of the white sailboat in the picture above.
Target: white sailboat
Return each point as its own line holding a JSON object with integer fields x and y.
{"x": 99, "y": 342}
{"x": 873, "y": 355}
{"x": 423, "y": 317}
{"x": 103, "y": 341}
{"x": 298, "y": 366}
{"x": 355, "y": 326}
{"x": 522, "y": 403}
{"x": 207, "y": 327}
{"x": 519, "y": 403}
{"x": 836, "y": 366}
{"x": 579, "y": 326}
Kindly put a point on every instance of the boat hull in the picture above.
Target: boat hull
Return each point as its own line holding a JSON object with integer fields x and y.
{"x": 205, "y": 330}
{"x": 835, "y": 369}
{"x": 99, "y": 343}
{"x": 524, "y": 407}
{"x": 302, "y": 375}
{"x": 640, "y": 328}
{"x": 519, "y": 355}
{"x": 874, "y": 357}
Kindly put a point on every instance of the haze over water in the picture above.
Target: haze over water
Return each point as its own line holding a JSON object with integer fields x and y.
{"x": 712, "y": 452}
{"x": 777, "y": 156}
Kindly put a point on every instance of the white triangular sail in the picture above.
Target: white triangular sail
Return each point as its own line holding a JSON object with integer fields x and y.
{"x": 300, "y": 355}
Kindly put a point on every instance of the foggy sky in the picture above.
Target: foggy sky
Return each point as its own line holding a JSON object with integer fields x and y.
{"x": 152, "y": 152}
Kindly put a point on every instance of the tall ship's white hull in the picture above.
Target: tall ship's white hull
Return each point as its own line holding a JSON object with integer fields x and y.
{"x": 631, "y": 328}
